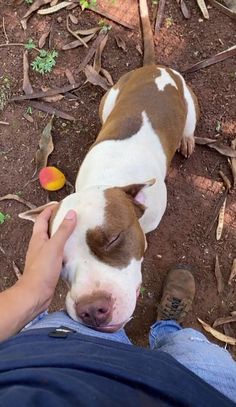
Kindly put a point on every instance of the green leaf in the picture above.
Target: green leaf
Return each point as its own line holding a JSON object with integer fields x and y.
{"x": 45, "y": 61}
{"x": 3, "y": 217}
{"x": 30, "y": 44}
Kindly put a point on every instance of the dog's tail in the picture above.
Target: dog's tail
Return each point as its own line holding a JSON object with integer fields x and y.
{"x": 148, "y": 43}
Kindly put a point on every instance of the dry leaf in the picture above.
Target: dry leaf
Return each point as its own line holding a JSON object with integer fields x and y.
{"x": 88, "y": 31}
{"x": 91, "y": 52}
{"x": 17, "y": 272}
{"x": 221, "y": 56}
{"x": 203, "y": 140}
{"x": 221, "y": 220}
{"x": 46, "y": 147}
{"x": 184, "y": 9}
{"x": 27, "y": 87}
{"x": 35, "y": 6}
{"x": 218, "y": 335}
{"x": 226, "y": 180}
{"x": 120, "y": 42}
{"x": 231, "y": 4}
{"x": 203, "y": 8}
{"x": 108, "y": 76}
{"x": 51, "y": 99}
{"x": 51, "y": 92}
{"x": 73, "y": 19}
{"x": 28, "y": 117}
{"x": 232, "y": 276}
{"x": 18, "y": 199}
{"x": 77, "y": 43}
{"x": 97, "y": 64}
{"x": 221, "y": 148}
{"x": 69, "y": 76}
{"x": 94, "y": 78}
{"x": 231, "y": 12}
{"x": 54, "y": 9}
{"x": 224, "y": 320}
{"x": 219, "y": 277}
{"x": 43, "y": 39}
{"x": 46, "y": 107}
{"x": 160, "y": 15}
{"x": 233, "y": 163}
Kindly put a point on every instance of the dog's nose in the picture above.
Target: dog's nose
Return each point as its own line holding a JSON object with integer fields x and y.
{"x": 95, "y": 313}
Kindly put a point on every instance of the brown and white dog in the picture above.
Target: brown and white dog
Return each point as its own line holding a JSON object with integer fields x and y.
{"x": 120, "y": 188}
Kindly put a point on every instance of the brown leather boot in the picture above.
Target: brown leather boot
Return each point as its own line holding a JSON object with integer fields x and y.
{"x": 178, "y": 294}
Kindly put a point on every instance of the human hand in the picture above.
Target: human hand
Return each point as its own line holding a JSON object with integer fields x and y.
{"x": 44, "y": 258}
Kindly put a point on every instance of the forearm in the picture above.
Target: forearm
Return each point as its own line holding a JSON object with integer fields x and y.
{"x": 17, "y": 308}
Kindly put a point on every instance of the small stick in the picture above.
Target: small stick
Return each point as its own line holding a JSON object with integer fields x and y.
{"x": 17, "y": 272}
{"x": 5, "y": 123}
{"x": 221, "y": 220}
{"x": 4, "y": 30}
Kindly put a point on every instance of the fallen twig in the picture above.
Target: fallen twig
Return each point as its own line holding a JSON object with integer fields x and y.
{"x": 218, "y": 335}
{"x": 74, "y": 33}
{"x": 5, "y": 123}
{"x": 18, "y": 199}
{"x": 219, "y": 277}
{"x": 221, "y": 56}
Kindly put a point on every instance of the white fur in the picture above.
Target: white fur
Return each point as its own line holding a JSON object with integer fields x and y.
{"x": 83, "y": 271}
{"x": 128, "y": 161}
{"x": 109, "y": 103}
{"x": 164, "y": 79}
{"x": 191, "y": 119}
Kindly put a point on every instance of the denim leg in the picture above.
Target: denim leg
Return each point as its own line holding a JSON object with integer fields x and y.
{"x": 61, "y": 318}
{"x": 192, "y": 349}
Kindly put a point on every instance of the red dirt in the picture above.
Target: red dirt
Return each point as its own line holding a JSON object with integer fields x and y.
{"x": 194, "y": 185}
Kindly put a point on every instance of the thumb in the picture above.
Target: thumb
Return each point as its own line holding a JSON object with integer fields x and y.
{"x": 64, "y": 231}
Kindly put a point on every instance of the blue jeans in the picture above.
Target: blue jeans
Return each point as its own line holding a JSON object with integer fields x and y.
{"x": 191, "y": 348}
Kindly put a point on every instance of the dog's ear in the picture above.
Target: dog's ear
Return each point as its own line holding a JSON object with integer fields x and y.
{"x": 135, "y": 194}
{"x": 33, "y": 213}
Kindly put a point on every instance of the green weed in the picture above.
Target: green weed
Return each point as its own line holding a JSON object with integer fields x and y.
{"x": 105, "y": 27}
{"x": 88, "y": 4}
{"x": 169, "y": 22}
{"x": 4, "y": 217}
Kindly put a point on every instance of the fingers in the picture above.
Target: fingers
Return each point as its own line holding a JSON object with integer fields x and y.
{"x": 64, "y": 231}
{"x": 41, "y": 224}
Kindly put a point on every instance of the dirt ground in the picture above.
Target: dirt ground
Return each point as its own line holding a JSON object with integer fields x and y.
{"x": 194, "y": 185}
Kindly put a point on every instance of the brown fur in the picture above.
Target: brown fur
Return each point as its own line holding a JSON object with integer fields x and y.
{"x": 166, "y": 109}
{"x": 120, "y": 219}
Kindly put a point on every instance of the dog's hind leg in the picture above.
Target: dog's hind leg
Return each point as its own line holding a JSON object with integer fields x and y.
{"x": 187, "y": 142}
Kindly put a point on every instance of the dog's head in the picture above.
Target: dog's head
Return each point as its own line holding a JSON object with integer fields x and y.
{"x": 103, "y": 256}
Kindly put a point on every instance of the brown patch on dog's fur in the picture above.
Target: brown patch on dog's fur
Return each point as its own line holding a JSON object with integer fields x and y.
{"x": 166, "y": 110}
{"x": 120, "y": 221}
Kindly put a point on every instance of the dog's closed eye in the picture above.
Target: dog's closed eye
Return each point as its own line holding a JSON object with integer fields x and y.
{"x": 113, "y": 241}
